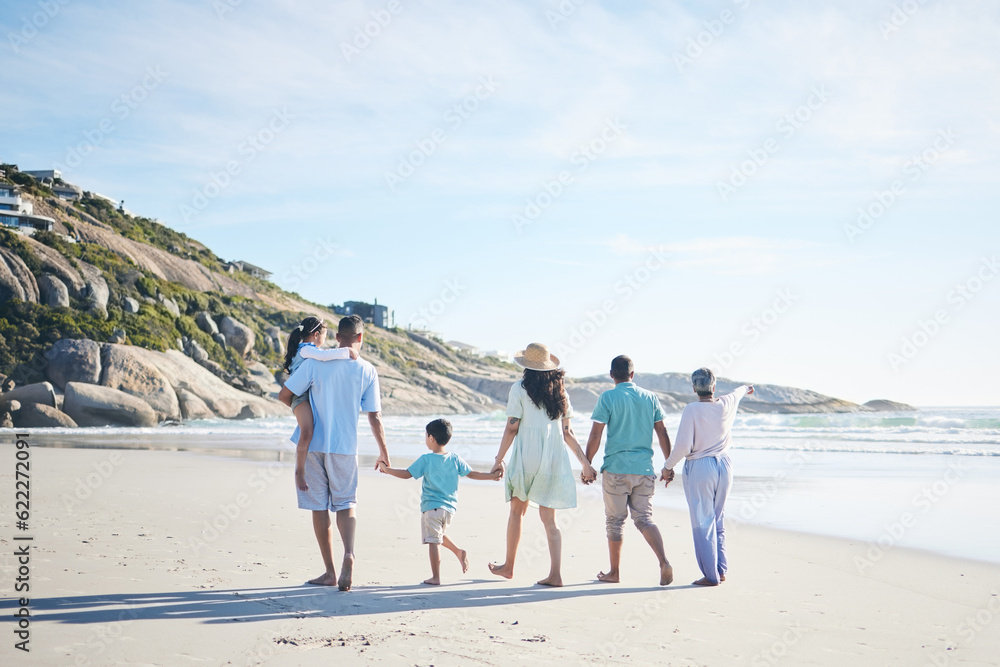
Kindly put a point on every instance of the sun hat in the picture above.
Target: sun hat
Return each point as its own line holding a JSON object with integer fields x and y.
{"x": 537, "y": 357}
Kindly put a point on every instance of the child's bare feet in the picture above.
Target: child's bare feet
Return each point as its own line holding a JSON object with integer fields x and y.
{"x": 704, "y": 582}
{"x": 551, "y": 580}
{"x": 433, "y": 581}
{"x": 666, "y": 574}
{"x": 502, "y": 570}
{"x": 325, "y": 579}
{"x": 463, "y": 558}
{"x": 610, "y": 577}
{"x": 346, "y": 572}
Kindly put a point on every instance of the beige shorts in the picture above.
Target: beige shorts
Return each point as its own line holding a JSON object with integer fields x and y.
{"x": 433, "y": 523}
{"x": 624, "y": 493}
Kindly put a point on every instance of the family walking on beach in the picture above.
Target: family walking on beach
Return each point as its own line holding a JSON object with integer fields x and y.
{"x": 538, "y": 438}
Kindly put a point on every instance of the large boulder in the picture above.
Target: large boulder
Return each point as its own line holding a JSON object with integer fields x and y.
{"x": 72, "y": 360}
{"x": 130, "y": 305}
{"x": 53, "y": 292}
{"x": 239, "y": 336}
{"x": 57, "y": 264}
{"x": 223, "y": 400}
{"x": 16, "y": 281}
{"x": 39, "y": 393}
{"x": 96, "y": 292}
{"x": 125, "y": 370}
{"x": 196, "y": 352}
{"x": 263, "y": 379}
{"x": 170, "y": 305}
{"x": 192, "y": 407}
{"x": 276, "y": 339}
{"x": 206, "y": 323}
{"x": 93, "y": 405}
{"x": 38, "y": 415}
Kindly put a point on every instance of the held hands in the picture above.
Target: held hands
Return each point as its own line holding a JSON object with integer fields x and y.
{"x": 666, "y": 475}
{"x": 498, "y": 469}
{"x": 588, "y": 475}
{"x": 382, "y": 462}
{"x": 352, "y": 353}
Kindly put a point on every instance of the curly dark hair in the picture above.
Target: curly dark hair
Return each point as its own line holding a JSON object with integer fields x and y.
{"x": 547, "y": 391}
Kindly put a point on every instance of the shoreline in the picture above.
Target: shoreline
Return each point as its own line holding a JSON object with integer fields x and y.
{"x": 158, "y": 544}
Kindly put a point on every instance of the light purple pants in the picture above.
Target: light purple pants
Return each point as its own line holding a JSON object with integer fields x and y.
{"x": 707, "y": 482}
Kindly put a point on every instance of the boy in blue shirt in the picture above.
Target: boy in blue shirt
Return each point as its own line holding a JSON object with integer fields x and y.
{"x": 440, "y": 471}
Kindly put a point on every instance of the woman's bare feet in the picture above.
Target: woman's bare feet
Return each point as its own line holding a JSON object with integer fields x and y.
{"x": 433, "y": 581}
{"x": 463, "y": 558}
{"x": 554, "y": 581}
{"x": 325, "y": 579}
{"x": 502, "y": 570}
{"x": 704, "y": 582}
{"x": 608, "y": 578}
{"x": 666, "y": 574}
{"x": 346, "y": 572}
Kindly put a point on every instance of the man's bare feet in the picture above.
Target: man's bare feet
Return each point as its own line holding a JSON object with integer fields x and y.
{"x": 555, "y": 582}
{"x": 463, "y": 558}
{"x": 609, "y": 577}
{"x": 666, "y": 574}
{"x": 325, "y": 579}
{"x": 704, "y": 582}
{"x": 433, "y": 581}
{"x": 346, "y": 572}
{"x": 502, "y": 570}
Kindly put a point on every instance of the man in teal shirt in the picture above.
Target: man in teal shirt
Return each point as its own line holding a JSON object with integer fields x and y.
{"x": 632, "y": 415}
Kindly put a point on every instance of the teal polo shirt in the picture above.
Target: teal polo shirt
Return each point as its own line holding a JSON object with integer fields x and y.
{"x": 629, "y": 412}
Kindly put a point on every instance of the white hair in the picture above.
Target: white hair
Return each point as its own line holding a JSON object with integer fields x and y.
{"x": 703, "y": 381}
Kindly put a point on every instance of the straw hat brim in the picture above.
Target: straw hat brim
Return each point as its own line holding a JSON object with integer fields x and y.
{"x": 550, "y": 365}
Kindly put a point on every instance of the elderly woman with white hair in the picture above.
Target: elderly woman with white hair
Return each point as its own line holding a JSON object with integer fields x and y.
{"x": 703, "y": 438}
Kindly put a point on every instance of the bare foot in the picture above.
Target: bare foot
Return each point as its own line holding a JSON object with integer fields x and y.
{"x": 609, "y": 578}
{"x": 463, "y": 558}
{"x": 433, "y": 581}
{"x": 666, "y": 574}
{"x": 704, "y": 582}
{"x": 722, "y": 577}
{"x": 325, "y": 579}
{"x": 346, "y": 572}
{"x": 555, "y": 582}
{"x": 502, "y": 570}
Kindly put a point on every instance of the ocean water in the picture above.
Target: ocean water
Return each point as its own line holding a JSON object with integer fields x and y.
{"x": 927, "y": 480}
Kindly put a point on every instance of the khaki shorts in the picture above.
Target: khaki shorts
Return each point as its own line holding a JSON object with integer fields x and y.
{"x": 624, "y": 493}
{"x": 433, "y": 523}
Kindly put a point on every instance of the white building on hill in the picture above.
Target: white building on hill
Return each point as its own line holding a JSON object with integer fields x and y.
{"x": 18, "y": 215}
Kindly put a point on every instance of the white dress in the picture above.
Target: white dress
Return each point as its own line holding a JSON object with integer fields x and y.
{"x": 539, "y": 470}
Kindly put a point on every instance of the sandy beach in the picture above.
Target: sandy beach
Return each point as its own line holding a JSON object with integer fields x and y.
{"x": 173, "y": 558}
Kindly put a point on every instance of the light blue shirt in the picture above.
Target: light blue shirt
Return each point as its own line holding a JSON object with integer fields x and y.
{"x": 337, "y": 393}
{"x": 630, "y": 412}
{"x": 440, "y": 485}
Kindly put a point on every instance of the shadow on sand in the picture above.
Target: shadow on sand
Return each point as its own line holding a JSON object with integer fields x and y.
{"x": 264, "y": 604}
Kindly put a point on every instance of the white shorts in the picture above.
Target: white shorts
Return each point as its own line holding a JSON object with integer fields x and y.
{"x": 332, "y": 480}
{"x": 433, "y": 523}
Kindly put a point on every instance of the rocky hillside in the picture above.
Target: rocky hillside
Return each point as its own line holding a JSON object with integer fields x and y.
{"x": 119, "y": 306}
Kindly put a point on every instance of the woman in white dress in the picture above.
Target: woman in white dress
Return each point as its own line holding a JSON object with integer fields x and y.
{"x": 539, "y": 471}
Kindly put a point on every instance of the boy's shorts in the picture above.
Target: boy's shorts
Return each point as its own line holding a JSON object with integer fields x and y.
{"x": 332, "y": 480}
{"x": 433, "y": 523}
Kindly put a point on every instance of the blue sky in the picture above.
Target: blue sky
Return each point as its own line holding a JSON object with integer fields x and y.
{"x": 673, "y": 181}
